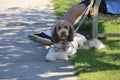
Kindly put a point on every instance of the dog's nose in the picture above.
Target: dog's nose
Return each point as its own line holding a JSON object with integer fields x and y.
{"x": 63, "y": 33}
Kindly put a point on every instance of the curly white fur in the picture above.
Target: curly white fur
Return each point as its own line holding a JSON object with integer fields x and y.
{"x": 56, "y": 52}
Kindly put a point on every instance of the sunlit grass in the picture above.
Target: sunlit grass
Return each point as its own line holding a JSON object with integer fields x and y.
{"x": 109, "y": 26}
{"x": 101, "y": 75}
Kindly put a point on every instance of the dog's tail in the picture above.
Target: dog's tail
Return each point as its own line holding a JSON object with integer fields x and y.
{"x": 96, "y": 43}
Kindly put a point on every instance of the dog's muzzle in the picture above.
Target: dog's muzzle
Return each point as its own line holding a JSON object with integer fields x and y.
{"x": 63, "y": 33}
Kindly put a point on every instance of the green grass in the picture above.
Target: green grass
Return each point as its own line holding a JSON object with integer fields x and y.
{"x": 93, "y": 64}
{"x": 98, "y": 64}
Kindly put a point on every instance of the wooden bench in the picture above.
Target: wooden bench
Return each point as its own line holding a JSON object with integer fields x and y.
{"x": 95, "y": 19}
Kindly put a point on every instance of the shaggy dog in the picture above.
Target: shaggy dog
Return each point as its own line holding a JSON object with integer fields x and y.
{"x": 62, "y": 36}
{"x": 66, "y": 42}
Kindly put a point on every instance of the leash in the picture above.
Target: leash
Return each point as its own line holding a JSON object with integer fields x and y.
{"x": 64, "y": 43}
{"x": 83, "y": 16}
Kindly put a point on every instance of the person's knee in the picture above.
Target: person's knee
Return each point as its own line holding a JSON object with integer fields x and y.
{"x": 78, "y": 8}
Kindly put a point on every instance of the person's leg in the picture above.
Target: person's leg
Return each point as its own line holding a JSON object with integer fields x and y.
{"x": 71, "y": 15}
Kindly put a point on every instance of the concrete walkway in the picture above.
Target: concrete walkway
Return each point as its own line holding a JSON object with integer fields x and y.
{"x": 21, "y": 58}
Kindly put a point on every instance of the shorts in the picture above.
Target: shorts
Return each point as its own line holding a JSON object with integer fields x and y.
{"x": 103, "y": 8}
{"x": 85, "y": 2}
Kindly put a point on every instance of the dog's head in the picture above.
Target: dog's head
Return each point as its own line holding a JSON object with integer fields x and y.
{"x": 63, "y": 30}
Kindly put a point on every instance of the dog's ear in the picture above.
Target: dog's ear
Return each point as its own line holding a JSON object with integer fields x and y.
{"x": 55, "y": 37}
{"x": 71, "y": 34}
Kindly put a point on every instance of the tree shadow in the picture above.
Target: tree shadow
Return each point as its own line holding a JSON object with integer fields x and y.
{"x": 96, "y": 65}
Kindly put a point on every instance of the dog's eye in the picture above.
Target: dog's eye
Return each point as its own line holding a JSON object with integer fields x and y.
{"x": 59, "y": 28}
{"x": 65, "y": 27}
